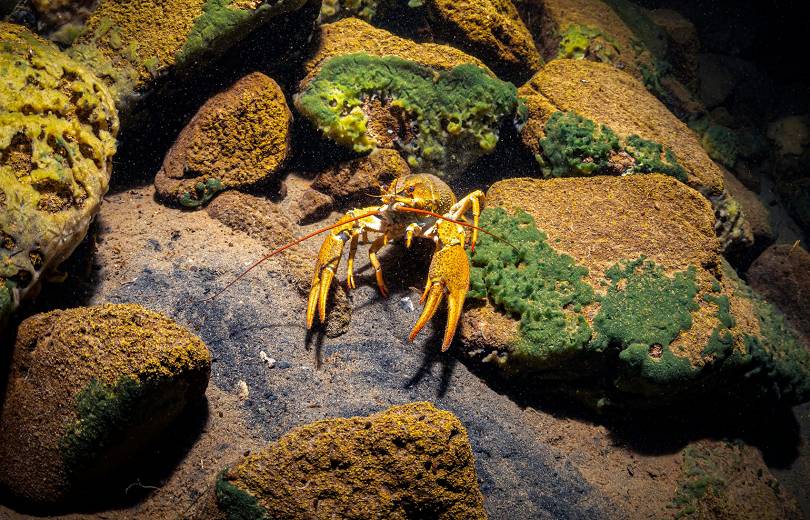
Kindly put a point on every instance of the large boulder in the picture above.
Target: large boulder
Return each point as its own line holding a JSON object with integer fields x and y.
{"x": 406, "y": 462}
{"x": 360, "y": 180}
{"x": 619, "y": 282}
{"x": 368, "y": 89}
{"x": 57, "y": 136}
{"x": 87, "y": 388}
{"x": 588, "y": 118}
{"x": 781, "y": 275}
{"x": 238, "y": 138}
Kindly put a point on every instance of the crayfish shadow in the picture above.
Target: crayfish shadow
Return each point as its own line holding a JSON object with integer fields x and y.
{"x": 665, "y": 429}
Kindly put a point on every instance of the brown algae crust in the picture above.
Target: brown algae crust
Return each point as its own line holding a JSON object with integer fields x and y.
{"x": 608, "y": 96}
{"x": 238, "y": 138}
{"x": 350, "y": 36}
{"x": 57, "y": 137}
{"x": 71, "y": 371}
{"x": 408, "y": 458}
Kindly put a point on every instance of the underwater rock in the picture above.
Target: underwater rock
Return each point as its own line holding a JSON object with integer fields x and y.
{"x": 408, "y": 461}
{"x": 440, "y": 120}
{"x": 87, "y": 388}
{"x": 132, "y": 44}
{"x": 601, "y": 31}
{"x": 791, "y": 135}
{"x": 588, "y": 118}
{"x": 238, "y": 138}
{"x": 781, "y": 275}
{"x": 683, "y": 44}
{"x": 758, "y": 218}
{"x": 489, "y": 29}
{"x": 728, "y": 479}
{"x": 57, "y": 137}
{"x": 359, "y": 180}
{"x": 620, "y": 281}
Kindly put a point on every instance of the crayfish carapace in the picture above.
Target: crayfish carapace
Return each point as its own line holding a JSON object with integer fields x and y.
{"x": 413, "y": 206}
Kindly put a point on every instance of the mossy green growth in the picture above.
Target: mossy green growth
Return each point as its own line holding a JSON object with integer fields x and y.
{"x": 721, "y": 144}
{"x": 575, "y": 145}
{"x": 581, "y": 41}
{"x": 651, "y": 157}
{"x": 643, "y": 311}
{"x": 452, "y": 110}
{"x": 203, "y": 192}
{"x": 701, "y": 476}
{"x": 236, "y": 503}
{"x": 526, "y": 277}
{"x": 103, "y": 411}
{"x": 6, "y": 304}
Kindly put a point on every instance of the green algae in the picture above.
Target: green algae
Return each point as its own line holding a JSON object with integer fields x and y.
{"x": 446, "y": 110}
{"x": 6, "y": 304}
{"x": 701, "y": 477}
{"x": 203, "y": 192}
{"x": 581, "y": 41}
{"x": 103, "y": 412}
{"x": 575, "y": 145}
{"x": 531, "y": 280}
{"x": 218, "y": 19}
{"x": 236, "y": 503}
{"x": 721, "y": 144}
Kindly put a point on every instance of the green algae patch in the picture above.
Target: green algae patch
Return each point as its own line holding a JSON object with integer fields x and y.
{"x": 721, "y": 144}
{"x": 526, "y": 277}
{"x": 203, "y": 192}
{"x": 588, "y": 42}
{"x": 574, "y": 145}
{"x": 642, "y": 313}
{"x": 237, "y": 504}
{"x": 443, "y": 111}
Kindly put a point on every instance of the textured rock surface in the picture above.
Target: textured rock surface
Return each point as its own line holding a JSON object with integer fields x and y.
{"x": 643, "y": 287}
{"x": 130, "y": 44}
{"x": 57, "y": 137}
{"x": 440, "y": 120}
{"x": 757, "y": 216}
{"x": 88, "y": 387}
{"x": 489, "y": 29}
{"x": 359, "y": 180}
{"x": 237, "y": 139}
{"x": 409, "y": 460}
{"x": 683, "y": 44}
{"x": 606, "y": 96}
{"x": 782, "y": 275}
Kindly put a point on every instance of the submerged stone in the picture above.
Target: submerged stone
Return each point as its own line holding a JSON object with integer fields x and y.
{"x": 58, "y": 126}
{"x": 238, "y": 138}
{"x": 620, "y": 281}
{"x": 406, "y": 462}
{"x": 88, "y": 387}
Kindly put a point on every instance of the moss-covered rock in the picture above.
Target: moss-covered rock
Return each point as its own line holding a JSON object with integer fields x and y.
{"x": 57, "y": 137}
{"x": 405, "y": 462}
{"x": 612, "y": 125}
{"x": 721, "y": 144}
{"x": 129, "y": 44}
{"x": 445, "y": 118}
{"x": 238, "y": 138}
{"x": 88, "y": 387}
{"x": 724, "y": 479}
{"x": 333, "y": 10}
{"x": 618, "y": 283}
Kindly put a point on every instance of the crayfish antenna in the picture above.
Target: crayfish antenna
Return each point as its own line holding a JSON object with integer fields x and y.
{"x": 284, "y": 248}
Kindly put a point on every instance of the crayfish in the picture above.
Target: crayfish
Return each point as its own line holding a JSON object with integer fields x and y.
{"x": 413, "y": 206}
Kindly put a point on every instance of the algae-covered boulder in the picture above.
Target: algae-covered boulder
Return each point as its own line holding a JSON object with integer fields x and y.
{"x": 440, "y": 120}
{"x": 410, "y": 461}
{"x": 87, "y": 388}
{"x": 588, "y": 118}
{"x": 725, "y": 479}
{"x": 488, "y": 29}
{"x": 238, "y": 138}
{"x": 619, "y": 281}
{"x": 57, "y": 137}
{"x": 781, "y": 275}
{"x": 130, "y": 44}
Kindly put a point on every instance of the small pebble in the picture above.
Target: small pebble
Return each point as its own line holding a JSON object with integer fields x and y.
{"x": 270, "y": 362}
{"x": 406, "y": 303}
{"x": 242, "y": 390}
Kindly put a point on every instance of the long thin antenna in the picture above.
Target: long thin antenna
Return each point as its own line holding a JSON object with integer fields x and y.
{"x": 460, "y": 223}
{"x": 284, "y": 248}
